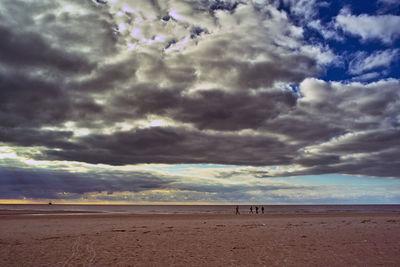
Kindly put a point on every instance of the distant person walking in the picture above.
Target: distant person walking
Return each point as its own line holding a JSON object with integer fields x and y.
{"x": 251, "y": 210}
{"x": 262, "y": 209}
{"x": 256, "y": 210}
{"x": 237, "y": 210}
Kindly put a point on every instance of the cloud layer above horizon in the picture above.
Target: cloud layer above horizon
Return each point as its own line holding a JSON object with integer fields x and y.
{"x": 252, "y": 85}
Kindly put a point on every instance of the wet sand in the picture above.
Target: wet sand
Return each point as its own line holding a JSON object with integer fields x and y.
{"x": 42, "y": 212}
{"x": 321, "y": 239}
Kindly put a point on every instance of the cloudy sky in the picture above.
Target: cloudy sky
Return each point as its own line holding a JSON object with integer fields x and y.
{"x": 200, "y": 101}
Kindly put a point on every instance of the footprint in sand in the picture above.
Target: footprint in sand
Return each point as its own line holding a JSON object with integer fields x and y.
{"x": 83, "y": 253}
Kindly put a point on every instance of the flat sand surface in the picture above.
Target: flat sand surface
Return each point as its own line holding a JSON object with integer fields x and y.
{"x": 337, "y": 239}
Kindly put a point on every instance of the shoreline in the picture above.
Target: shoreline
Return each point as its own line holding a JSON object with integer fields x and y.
{"x": 69, "y": 213}
{"x": 89, "y": 214}
{"x": 70, "y": 210}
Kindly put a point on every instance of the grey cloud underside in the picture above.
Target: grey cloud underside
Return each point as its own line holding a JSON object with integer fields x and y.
{"x": 21, "y": 49}
{"x": 211, "y": 109}
{"x": 17, "y": 183}
{"x": 30, "y": 103}
{"x": 175, "y": 145}
{"x": 44, "y": 184}
{"x": 71, "y": 67}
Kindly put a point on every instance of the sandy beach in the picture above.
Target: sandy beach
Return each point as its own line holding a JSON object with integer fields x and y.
{"x": 321, "y": 239}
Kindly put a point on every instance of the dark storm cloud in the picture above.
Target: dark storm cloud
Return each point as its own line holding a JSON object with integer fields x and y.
{"x": 303, "y": 127}
{"x": 319, "y": 159}
{"x": 31, "y": 102}
{"x": 29, "y": 49}
{"x": 29, "y": 137}
{"x": 367, "y": 142}
{"x": 40, "y": 60}
{"x": 107, "y": 77}
{"x": 374, "y": 153}
{"x": 211, "y": 109}
{"x": 18, "y": 183}
{"x": 383, "y": 164}
{"x": 175, "y": 145}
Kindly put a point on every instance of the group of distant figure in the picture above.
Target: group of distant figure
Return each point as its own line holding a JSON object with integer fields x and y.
{"x": 251, "y": 210}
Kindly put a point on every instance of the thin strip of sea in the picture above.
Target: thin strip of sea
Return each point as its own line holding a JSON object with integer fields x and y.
{"x": 200, "y": 209}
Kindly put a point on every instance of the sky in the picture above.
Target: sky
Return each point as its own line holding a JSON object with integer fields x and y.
{"x": 200, "y": 101}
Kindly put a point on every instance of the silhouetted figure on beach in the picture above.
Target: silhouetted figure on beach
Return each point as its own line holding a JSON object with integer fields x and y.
{"x": 251, "y": 210}
{"x": 262, "y": 209}
{"x": 256, "y": 210}
{"x": 237, "y": 210}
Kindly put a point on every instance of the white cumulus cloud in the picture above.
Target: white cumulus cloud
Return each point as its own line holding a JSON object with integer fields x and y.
{"x": 363, "y": 62}
{"x": 383, "y": 27}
